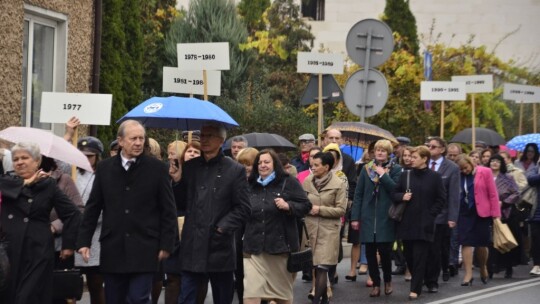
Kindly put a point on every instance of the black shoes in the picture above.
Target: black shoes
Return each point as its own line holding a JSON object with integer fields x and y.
{"x": 446, "y": 276}
{"x": 433, "y": 289}
{"x": 508, "y": 273}
{"x": 400, "y": 270}
{"x": 453, "y": 270}
{"x": 469, "y": 283}
{"x": 307, "y": 277}
{"x": 350, "y": 278}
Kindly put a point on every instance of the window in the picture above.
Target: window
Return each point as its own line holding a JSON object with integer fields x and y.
{"x": 313, "y": 9}
{"x": 44, "y": 61}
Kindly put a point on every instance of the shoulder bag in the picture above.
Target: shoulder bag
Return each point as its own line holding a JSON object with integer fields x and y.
{"x": 396, "y": 210}
{"x": 303, "y": 259}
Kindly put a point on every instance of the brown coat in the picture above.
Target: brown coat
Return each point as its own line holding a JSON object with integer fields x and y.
{"x": 324, "y": 228}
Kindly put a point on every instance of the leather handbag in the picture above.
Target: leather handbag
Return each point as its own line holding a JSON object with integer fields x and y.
{"x": 396, "y": 210}
{"x": 67, "y": 284}
{"x": 303, "y": 259}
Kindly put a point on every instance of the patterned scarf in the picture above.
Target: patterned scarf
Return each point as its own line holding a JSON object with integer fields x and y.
{"x": 319, "y": 183}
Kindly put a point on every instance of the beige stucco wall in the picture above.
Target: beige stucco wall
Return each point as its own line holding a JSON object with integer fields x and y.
{"x": 80, "y": 50}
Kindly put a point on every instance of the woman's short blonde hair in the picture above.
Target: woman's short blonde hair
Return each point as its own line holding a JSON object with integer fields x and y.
{"x": 179, "y": 145}
{"x": 155, "y": 149}
{"x": 463, "y": 159}
{"x": 423, "y": 151}
{"x": 247, "y": 156}
{"x": 384, "y": 144}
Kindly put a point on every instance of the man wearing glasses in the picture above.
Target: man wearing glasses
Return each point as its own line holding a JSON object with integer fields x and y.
{"x": 446, "y": 220}
{"x": 306, "y": 142}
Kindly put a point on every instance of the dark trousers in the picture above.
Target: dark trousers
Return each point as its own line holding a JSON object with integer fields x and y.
{"x": 535, "y": 242}
{"x": 239, "y": 272}
{"x": 438, "y": 255}
{"x": 416, "y": 254}
{"x": 222, "y": 286}
{"x": 132, "y": 288}
{"x": 385, "y": 252}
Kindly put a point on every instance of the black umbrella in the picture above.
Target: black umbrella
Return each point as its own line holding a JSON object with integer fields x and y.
{"x": 361, "y": 134}
{"x": 490, "y": 137}
{"x": 265, "y": 140}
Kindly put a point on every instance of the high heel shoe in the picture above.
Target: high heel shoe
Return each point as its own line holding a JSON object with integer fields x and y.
{"x": 484, "y": 279}
{"x": 375, "y": 292}
{"x": 388, "y": 289}
{"x": 350, "y": 278}
{"x": 469, "y": 283}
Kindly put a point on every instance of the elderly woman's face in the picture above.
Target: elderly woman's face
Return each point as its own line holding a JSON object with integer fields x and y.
{"x": 24, "y": 165}
{"x": 381, "y": 155}
{"x": 265, "y": 165}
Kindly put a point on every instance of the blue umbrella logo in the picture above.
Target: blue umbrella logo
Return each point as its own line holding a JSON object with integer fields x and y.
{"x": 153, "y": 108}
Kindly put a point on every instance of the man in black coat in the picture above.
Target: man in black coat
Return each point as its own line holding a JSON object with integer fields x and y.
{"x": 447, "y": 219}
{"x": 213, "y": 191}
{"x": 139, "y": 218}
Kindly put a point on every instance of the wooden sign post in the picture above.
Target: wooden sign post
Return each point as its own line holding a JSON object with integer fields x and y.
{"x": 475, "y": 84}
{"x": 320, "y": 63}
{"x": 443, "y": 91}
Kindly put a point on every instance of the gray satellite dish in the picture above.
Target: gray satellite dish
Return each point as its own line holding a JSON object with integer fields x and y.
{"x": 331, "y": 92}
{"x": 377, "y": 92}
{"x": 370, "y": 37}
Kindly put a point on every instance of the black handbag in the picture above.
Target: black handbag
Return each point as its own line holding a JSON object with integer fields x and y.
{"x": 67, "y": 284}
{"x": 303, "y": 259}
{"x": 395, "y": 211}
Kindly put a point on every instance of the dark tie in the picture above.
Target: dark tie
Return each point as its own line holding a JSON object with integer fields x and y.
{"x": 128, "y": 164}
{"x": 433, "y": 163}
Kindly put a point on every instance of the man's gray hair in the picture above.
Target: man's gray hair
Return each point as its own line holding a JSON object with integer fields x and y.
{"x": 222, "y": 132}
{"x": 122, "y": 128}
{"x": 240, "y": 138}
{"x": 29, "y": 147}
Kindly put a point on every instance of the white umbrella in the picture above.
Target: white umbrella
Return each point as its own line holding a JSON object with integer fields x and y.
{"x": 49, "y": 144}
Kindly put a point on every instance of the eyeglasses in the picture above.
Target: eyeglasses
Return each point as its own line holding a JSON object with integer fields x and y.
{"x": 496, "y": 161}
{"x": 432, "y": 146}
{"x": 305, "y": 142}
{"x": 208, "y": 135}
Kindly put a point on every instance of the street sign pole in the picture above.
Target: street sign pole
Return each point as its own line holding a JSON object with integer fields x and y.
{"x": 520, "y": 117}
{"x": 363, "y": 101}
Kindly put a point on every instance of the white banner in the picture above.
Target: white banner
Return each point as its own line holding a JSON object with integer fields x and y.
{"x": 203, "y": 56}
{"x": 476, "y": 83}
{"x": 524, "y": 93}
{"x": 442, "y": 90}
{"x": 91, "y": 109}
{"x": 191, "y": 82}
{"x": 319, "y": 63}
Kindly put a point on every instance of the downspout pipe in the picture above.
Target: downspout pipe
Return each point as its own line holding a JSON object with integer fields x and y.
{"x": 98, "y": 16}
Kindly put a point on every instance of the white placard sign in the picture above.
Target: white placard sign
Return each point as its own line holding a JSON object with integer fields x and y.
{"x": 91, "y": 109}
{"x": 203, "y": 56}
{"x": 442, "y": 90}
{"x": 191, "y": 82}
{"x": 519, "y": 92}
{"x": 476, "y": 83}
{"x": 319, "y": 63}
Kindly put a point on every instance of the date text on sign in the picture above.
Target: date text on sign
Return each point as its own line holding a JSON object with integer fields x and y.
{"x": 190, "y": 82}
{"x": 442, "y": 90}
{"x": 319, "y": 63}
{"x": 203, "y": 56}
{"x": 91, "y": 109}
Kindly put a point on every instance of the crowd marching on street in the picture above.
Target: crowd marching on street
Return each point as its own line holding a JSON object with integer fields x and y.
{"x": 245, "y": 221}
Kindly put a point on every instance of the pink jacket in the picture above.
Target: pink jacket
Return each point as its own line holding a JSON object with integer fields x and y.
{"x": 486, "y": 196}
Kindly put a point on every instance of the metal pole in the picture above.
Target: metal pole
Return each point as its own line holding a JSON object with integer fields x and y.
{"x": 363, "y": 101}
{"x": 520, "y": 117}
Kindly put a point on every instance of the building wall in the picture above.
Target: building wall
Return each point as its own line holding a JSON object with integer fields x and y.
{"x": 79, "y": 50}
{"x": 488, "y": 20}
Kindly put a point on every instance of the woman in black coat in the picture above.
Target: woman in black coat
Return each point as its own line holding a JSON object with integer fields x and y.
{"x": 27, "y": 201}
{"x": 277, "y": 199}
{"x": 422, "y": 190}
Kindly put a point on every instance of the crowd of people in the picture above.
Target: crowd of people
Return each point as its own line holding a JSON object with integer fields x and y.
{"x": 139, "y": 223}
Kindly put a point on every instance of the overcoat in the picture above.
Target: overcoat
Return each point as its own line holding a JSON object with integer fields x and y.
{"x": 25, "y": 215}
{"x": 269, "y": 229}
{"x": 427, "y": 200}
{"x": 323, "y": 229}
{"x": 214, "y": 194}
{"x": 371, "y": 203}
{"x": 449, "y": 172}
{"x": 139, "y": 215}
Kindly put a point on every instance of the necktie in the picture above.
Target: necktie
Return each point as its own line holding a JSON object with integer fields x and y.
{"x": 433, "y": 163}
{"x": 128, "y": 164}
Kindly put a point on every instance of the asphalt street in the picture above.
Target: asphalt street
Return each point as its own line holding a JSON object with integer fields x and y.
{"x": 521, "y": 289}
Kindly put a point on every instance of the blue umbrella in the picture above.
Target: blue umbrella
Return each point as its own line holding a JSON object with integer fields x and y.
{"x": 519, "y": 142}
{"x": 353, "y": 151}
{"x": 180, "y": 113}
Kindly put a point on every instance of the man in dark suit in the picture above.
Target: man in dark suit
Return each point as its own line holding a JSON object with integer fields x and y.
{"x": 213, "y": 191}
{"x": 446, "y": 220}
{"x": 134, "y": 193}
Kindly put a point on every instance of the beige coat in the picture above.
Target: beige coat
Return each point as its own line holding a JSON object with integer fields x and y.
{"x": 324, "y": 228}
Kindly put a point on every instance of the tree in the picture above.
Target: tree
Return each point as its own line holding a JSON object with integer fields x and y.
{"x": 212, "y": 21}
{"x": 398, "y": 15}
{"x": 252, "y": 11}
{"x": 133, "y": 56}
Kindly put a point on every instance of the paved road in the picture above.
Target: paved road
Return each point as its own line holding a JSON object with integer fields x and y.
{"x": 521, "y": 289}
